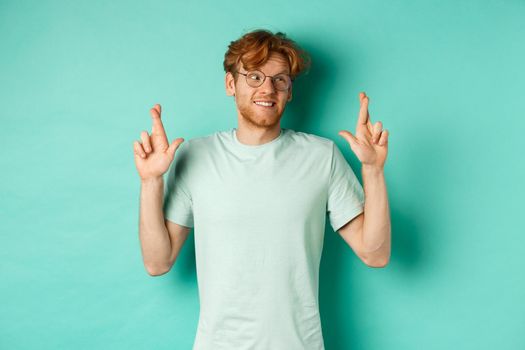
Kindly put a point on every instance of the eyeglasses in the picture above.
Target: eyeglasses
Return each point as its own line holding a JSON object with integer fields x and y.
{"x": 256, "y": 78}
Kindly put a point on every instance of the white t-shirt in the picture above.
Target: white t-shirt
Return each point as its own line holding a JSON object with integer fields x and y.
{"x": 259, "y": 213}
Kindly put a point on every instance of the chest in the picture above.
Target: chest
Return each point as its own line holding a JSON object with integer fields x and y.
{"x": 260, "y": 193}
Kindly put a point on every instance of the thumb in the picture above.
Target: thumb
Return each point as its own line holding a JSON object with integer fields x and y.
{"x": 173, "y": 147}
{"x": 347, "y": 135}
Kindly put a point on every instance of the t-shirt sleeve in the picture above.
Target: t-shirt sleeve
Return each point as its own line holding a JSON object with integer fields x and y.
{"x": 345, "y": 193}
{"x": 178, "y": 204}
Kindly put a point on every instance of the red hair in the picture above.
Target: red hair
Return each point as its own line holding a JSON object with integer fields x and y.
{"x": 254, "y": 48}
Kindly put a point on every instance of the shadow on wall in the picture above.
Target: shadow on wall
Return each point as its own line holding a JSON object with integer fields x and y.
{"x": 340, "y": 293}
{"x": 301, "y": 111}
{"x": 340, "y": 307}
{"x": 184, "y": 271}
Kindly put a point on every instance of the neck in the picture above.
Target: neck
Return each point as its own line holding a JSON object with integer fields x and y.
{"x": 254, "y": 135}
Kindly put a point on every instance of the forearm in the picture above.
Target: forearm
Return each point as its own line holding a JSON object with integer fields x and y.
{"x": 376, "y": 225}
{"x": 154, "y": 237}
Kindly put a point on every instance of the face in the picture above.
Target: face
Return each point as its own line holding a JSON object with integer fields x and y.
{"x": 247, "y": 96}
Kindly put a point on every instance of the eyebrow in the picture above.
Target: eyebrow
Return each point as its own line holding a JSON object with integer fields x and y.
{"x": 282, "y": 72}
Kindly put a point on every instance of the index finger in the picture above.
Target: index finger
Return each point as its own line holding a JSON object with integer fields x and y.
{"x": 364, "y": 116}
{"x": 157, "y": 128}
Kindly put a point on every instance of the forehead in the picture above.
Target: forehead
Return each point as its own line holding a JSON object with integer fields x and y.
{"x": 276, "y": 63}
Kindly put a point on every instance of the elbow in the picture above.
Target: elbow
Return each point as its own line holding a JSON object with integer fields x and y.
{"x": 156, "y": 270}
{"x": 377, "y": 262}
{"x": 379, "y": 257}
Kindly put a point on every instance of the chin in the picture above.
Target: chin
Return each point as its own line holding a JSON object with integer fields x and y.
{"x": 260, "y": 119}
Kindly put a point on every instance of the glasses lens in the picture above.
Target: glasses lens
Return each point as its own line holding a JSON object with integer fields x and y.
{"x": 254, "y": 78}
{"x": 281, "y": 82}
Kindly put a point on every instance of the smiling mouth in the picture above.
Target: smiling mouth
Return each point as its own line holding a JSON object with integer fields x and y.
{"x": 264, "y": 104}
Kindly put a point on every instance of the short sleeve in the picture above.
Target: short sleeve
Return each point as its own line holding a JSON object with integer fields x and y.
{"x": 178, "y": 204}
{"x": 345, "y": 193}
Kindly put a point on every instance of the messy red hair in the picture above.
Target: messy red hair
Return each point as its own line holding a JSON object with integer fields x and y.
{"x": 254, "y": 48}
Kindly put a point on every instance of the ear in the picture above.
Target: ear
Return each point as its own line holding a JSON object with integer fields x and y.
{"x": 290, "y": 94}
{"x": 229, "y": 83}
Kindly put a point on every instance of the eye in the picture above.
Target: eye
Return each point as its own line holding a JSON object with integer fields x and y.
{"x": 254, "y": 76}
{"x": 280, "y": 78}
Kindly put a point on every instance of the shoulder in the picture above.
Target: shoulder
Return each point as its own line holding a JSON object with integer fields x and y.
{"x": 201, "y": 148}
{"x": 201, "y": 143}
{"x": 311, "y": 141}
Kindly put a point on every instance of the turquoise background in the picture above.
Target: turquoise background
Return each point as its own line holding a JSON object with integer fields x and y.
{"x": 446, "y": 78}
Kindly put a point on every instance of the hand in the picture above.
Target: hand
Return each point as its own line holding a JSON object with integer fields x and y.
{"x": 153, "y": 156}
{"x": 370, "y": 144}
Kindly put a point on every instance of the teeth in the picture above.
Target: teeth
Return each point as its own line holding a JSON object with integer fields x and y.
{"x": 267, "y": 104}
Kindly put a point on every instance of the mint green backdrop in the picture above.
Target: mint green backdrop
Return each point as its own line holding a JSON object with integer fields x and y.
{"x": 446, "y": 78}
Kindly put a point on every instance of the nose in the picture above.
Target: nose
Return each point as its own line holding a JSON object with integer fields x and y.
{"x": 267, "y": 85}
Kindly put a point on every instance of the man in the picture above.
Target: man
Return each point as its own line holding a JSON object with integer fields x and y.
{"x": 257, "y": 198}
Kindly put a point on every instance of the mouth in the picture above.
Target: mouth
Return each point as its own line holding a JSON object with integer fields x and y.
{"x": 265, "y": 104}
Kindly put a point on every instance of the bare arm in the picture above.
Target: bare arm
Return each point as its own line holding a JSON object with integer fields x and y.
{"x": 369, "y": 234}
{"x": 376, "y": 225}
{"x": 160, "y": 241}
